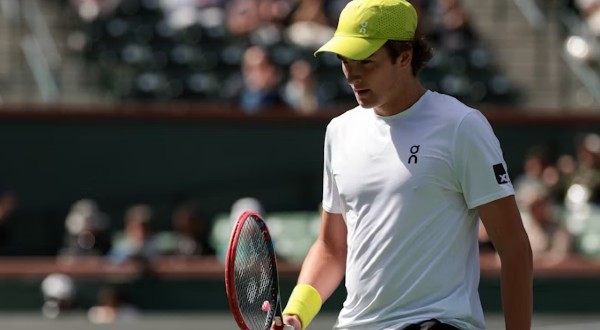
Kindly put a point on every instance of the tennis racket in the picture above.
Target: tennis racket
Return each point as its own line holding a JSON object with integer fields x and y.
{"x": 251, "y": 278}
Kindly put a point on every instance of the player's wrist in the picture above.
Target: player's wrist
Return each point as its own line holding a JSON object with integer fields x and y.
{"x": 305, "y": 302}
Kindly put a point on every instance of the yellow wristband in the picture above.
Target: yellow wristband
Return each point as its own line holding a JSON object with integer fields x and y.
{"x": 305, "y": 302}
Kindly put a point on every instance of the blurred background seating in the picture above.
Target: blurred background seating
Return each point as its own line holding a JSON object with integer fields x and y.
{"x": 200, "y": 41}
{"x": 190, "y": 51}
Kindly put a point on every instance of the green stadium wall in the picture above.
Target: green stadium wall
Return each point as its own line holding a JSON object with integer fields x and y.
{"x": 120, "y": 158}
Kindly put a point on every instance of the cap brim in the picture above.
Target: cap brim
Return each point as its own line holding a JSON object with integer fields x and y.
{"x": 352, "y": 47}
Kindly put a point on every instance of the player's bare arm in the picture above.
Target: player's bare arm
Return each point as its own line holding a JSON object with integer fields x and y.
{"x": 504, "y": 226}
{"x": 325, "y": 263}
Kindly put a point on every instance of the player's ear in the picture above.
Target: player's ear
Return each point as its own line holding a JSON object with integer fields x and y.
{"x": 405, "y": 58}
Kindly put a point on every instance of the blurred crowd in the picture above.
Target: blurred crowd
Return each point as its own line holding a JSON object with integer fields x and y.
{"x": 258, "y": 54}
{"x": 88, "y": 234}
{"x": 559, "y": 199}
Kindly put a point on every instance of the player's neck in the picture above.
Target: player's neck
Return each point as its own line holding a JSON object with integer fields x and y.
{"x": 404, "y": 99}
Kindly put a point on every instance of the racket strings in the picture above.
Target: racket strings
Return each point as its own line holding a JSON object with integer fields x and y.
{"x": 253, "y": 280}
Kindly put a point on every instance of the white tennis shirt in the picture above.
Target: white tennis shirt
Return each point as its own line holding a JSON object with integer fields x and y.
{"x": 407, "y": 186}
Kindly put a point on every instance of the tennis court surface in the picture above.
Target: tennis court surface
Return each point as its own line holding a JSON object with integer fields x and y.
{"x": 223, "y": 321}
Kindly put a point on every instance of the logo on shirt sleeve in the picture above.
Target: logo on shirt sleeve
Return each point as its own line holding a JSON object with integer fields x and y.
{"x": 501, "y": 175}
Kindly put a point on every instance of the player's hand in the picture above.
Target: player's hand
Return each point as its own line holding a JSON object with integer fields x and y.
{"x": 290, "y": 320}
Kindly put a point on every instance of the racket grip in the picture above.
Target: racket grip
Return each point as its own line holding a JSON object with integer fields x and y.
{"x": 288, "y": 327}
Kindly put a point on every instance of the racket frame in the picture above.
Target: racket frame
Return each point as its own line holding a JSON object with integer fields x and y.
{"x": 274, "y": 314}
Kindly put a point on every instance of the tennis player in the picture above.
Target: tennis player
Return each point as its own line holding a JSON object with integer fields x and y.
{"x": 407, "y": 175}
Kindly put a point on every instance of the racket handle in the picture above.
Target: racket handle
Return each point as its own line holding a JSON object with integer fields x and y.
{"x": 288, "y": 327}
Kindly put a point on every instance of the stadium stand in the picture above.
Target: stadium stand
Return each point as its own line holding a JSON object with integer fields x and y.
{"x": 91, "y": 51}
{"x": 148, "y": 51}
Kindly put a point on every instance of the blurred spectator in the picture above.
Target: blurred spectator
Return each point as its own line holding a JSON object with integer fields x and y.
{"x": 8, "y": 203}
{"x": 450, "y": 27}
{"x": 580, "y": 185}
{"x": 259, "y": 21}
{"x": 86, "y": 231}
{"x": 242, "y": 17}
{"x": 138, "y": 242}
{"x": 309, "y": 26}
{"x": 223, "y": 227}
{"x": 590, "y": 14}
{"x": 261, "y": 82}
{"x": 300, "y": 91}
{"x": 566, "y": 166}
{"x": 311, "y": 11}
{"x": 245, "y": 204}
{"x": 485, "y": 243}
{"x": 190, "y": 232}
{"x": 112, "y": 307}
{"x": 181, "y": 14}
{"x": 586, "y": 175}
{"x": 550, "y": 239}
{"x": 537, "y": 169}
{"x": 58, "y": 291}
{"x": 90, "y": 10}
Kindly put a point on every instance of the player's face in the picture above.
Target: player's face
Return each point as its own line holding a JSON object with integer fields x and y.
{"x": 376, "y": 81}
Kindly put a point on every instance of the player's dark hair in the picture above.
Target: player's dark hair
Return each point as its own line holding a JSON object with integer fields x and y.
{"x": 422, "y": 52}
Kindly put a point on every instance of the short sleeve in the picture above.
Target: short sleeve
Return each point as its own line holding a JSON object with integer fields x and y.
{"x": 479, "y": 162}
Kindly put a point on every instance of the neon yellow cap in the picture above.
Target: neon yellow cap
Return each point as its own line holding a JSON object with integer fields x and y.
{"x": 365, "y": 25}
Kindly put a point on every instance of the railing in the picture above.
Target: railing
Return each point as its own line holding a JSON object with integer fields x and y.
{"x": 532, "y": 12}
{"x": 588, "y": 76}
{"x": 539, "y": 15}
{"x": 40, "y": 68}
{"x": 29, "y": 33}
{"x": 538, "y": 38}
{"x": 209, "y": 268}
{"x": 40, "y": 50}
